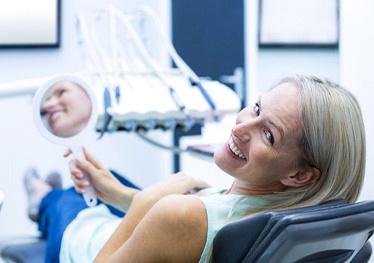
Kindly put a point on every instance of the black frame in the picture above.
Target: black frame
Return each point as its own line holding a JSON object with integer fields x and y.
{"x": 54, "y": 44}
{"x": 291, "y": 43}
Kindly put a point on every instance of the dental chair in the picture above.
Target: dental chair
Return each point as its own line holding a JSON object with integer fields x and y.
{"x": 332, "y": 232}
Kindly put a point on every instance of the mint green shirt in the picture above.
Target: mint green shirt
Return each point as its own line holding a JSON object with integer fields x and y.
{"x": 222, "y": 209}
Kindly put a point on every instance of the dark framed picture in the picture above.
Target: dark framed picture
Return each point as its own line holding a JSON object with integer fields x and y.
{"x": 30, "y": 23}
{"x": 300, "y": 23}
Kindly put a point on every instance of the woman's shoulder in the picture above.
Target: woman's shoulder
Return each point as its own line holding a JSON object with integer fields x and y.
{"x": 181, "y": 215}
{"x": 179, "y": 224}
{"x": 183, "y": 206}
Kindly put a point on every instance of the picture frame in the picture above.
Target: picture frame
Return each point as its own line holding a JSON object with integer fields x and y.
{"x": 298, "y": 23}
{"x": 30, "y": 23}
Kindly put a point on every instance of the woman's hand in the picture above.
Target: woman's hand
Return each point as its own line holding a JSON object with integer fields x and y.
{"x": 107, "y": 188}
{"x": 178, "y": 183}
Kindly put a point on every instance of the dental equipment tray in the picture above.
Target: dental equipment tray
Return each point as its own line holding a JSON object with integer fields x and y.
{"x": 145, "y": 103}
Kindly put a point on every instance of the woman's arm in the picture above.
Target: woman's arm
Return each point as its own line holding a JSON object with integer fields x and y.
{"x": 144, "y": 202}
{"x": 168, "y": 221}
{"x": 174, "y": 230}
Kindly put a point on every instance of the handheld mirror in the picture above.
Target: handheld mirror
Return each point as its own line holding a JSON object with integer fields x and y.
{"x": 65, "y": 112}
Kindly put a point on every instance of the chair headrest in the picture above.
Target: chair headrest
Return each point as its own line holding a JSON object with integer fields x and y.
{"x": 249, "y": 231}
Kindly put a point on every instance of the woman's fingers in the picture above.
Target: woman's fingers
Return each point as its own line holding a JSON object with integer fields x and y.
{"x": 75, "y": 170}
{"x": 179, "y": 183}
{"x": 192, "y": 182}
{"x": 199, "y": 184}
{"x": 67, "y": 152}
{"x": 80, "y": 183}
{"x": 92, "y": 159}
{"x": 89, "y": 157}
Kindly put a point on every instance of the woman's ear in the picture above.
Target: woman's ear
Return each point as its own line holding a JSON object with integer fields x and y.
{"x": 302, "y": 177}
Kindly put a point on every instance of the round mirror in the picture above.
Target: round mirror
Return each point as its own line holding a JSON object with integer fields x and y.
{"x": 65, "y": 112}
{"x": 64, "y": 108}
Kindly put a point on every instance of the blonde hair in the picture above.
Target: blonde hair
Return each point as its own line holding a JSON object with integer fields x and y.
{"x": 333, "y": 141}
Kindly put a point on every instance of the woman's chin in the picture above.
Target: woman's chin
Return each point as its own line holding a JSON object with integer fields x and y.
{"x": 220, "y": 158}
{"x": 63, "y": 132}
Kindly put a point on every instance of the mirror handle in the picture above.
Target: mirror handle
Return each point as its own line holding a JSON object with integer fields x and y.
{"x": 89, "y": 196}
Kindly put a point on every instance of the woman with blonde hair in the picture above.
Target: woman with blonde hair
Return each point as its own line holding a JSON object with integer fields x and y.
{"x": 300, "y": 144}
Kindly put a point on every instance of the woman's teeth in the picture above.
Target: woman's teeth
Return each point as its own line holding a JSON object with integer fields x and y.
{"x": 56, "y": 115}
{"x": 235, "y": 150}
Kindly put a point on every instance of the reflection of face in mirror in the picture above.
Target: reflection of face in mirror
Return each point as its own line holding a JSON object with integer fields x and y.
{"x": 67, "y": 109}
{"x": 64, "y": 111}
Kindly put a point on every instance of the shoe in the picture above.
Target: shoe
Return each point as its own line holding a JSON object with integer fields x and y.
{"x": 54, "y": 180}
{"x": 33, "y": 207}
{"x": 36, "y": 189}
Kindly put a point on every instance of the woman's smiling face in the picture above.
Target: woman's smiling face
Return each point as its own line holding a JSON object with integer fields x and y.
{"x": 68, "y": 109}
{"x": 263, "y": 149}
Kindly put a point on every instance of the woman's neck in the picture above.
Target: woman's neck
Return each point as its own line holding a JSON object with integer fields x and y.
{"x": 244, "y": 188}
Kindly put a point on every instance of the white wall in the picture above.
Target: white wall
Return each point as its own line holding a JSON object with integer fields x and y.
{"x": 357, "y": 70}
{"x": 21, "y": 146}
{"x": 264, "y": 66}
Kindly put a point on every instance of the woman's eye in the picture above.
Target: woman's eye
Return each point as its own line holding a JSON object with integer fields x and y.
{"x": 268, "y": 134}
{"x": 257, "y": 109}
{"x": 270, "y": 137}
{"x": 61, "y": 92}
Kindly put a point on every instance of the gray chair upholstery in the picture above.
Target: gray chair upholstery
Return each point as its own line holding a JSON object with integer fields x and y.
{"x": 24, "y": 250}
{"x": 333, "y": 232}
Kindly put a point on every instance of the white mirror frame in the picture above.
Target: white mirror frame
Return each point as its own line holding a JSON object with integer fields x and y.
{"x": 37, "y": 102}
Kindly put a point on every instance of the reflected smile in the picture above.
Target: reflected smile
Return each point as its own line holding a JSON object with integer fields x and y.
{"x": 235, "y": 150}
{"x": 55, "y": 115}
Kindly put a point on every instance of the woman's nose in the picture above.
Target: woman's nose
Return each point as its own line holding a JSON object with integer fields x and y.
{"x": 243, "y": 130}
{"x": 49, "y": 104}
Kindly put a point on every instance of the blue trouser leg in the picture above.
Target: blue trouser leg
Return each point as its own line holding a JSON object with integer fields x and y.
{"x": 58, "y": 209}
